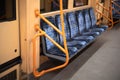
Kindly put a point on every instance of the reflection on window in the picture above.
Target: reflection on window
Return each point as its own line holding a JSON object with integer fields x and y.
{"x": 7, "y": 10}
{"x": 78, "y": 3}
{"x": 51, "y": 5}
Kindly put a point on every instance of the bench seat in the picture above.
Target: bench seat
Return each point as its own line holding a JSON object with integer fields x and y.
{"x": 80, "y": 28}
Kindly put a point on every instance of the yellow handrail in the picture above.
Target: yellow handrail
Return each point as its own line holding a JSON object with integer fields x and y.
{"x": 105, "y": 17}
{"x": 42, "y": 33}
{"x": 110, "y": 18}
{"x": 103, "y": 7}
{"x": 48, "y": 22}
{"x": 102, "y": 14}
{"x": 63, "y": 30}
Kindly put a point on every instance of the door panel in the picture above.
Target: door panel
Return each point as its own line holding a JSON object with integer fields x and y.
{"x": 9, "y": 35}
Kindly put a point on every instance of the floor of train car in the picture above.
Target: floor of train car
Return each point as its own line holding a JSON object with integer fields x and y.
{"x": 100, "y": 61}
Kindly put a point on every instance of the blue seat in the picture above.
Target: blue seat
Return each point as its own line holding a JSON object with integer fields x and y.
{"x": 73, "y": 23}
{"x": 79, "y": 33}
{"x": 88, "y": 23}
{"x": 58, "y": 52}
{"x": 76, "y": 34}
{"x": 94, "y": 21}
{"x": 79, "y": 44}
{"x": 50, "y": 31}
{"x": 48, "y": 46}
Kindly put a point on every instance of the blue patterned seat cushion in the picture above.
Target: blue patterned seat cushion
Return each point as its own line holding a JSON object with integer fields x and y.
{"x": 89, "y": 25}
{"x": 58, "y": 52}
{"x": 75, "y": 30}
{"x": 82, "y": 25}
{"x": 50, "y": 31}
{"x": 73, "y": 24}
{"x": 96, "y": 29}
{"x": 84, "y": 38}
{"x": 76, "y": 43}
{"x": 105, "y": 27}
{"x": 70, "y": 42}
{"x": 94, "y": 21}
{"x": 94, "y": 34}
{"x": 81, "y": 22}
{"x": 67, "y": 30}
{"x": 50, "y": 47}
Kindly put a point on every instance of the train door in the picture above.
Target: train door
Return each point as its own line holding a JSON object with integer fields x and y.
{"x": 9, "y": 30}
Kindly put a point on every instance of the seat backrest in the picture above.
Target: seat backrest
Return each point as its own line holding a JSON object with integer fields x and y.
{"x": 92, "y": 17}
{"x": 81, "y": 21}
{"x": 116, "y": 7}
{"x": 50, "y": 31}
{"x": 72, "y": 23}
{"x": 87, "y": 19}
{"x": 67, "y": 29}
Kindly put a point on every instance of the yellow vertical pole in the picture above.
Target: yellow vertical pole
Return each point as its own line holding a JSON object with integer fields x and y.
{"x": 63, "y": 30}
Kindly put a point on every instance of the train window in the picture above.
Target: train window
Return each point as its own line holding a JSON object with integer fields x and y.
{"x": 7, "y": 10}
{"x": 78, "y": 3}
{"x": 102, "y": 1}
{"x": 51, "y": 5}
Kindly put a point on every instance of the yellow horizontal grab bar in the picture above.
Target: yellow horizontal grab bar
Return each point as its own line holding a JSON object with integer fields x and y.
{"x": 106, "y": 18}
{"x": 103, "y": 7}
{"x": 48, "y": 22}
{"x": 104, "y": 15}
{"x": 55, "y": 43}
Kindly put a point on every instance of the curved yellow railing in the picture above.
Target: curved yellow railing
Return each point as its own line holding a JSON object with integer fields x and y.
{"x": 102, "y": 14}
{"x": 42, "y": 33}
{"x": 103, "y": 7}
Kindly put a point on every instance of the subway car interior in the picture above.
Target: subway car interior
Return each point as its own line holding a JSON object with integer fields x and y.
{"x": 59, "y": 39}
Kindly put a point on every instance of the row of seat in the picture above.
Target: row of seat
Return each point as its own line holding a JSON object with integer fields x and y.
{"x": 80, "y": 28}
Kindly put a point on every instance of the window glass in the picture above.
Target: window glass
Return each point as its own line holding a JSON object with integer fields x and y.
{"x": 7, "y": 10}
{"x": 51, "y": 5}
{"x": 102, "y": 1}
{"x": 78, "y": 3}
